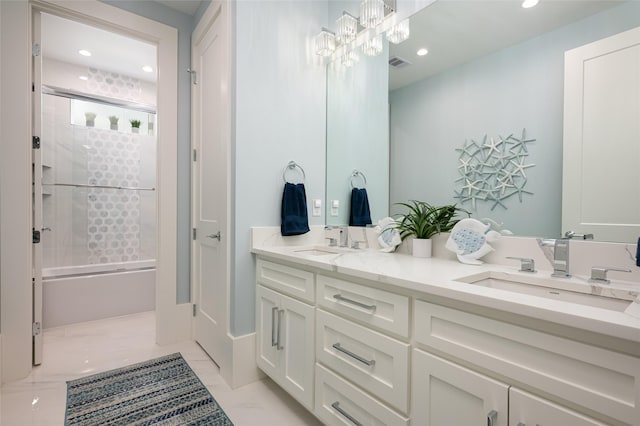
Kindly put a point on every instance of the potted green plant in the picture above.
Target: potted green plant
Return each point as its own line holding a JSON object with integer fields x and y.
{"x": 90, "y": 119}
{"x": 423, "y": 221}
{"x": 113, "y": 119}
{"x": 135, "y": 126}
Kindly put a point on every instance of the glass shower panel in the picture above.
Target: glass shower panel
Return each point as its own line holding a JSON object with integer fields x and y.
{"x": 100, "y": 202}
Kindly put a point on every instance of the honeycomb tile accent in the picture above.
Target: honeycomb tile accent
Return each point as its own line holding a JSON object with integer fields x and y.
{"x": 113, "y": 159}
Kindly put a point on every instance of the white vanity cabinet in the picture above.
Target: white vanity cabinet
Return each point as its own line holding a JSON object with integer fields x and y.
{"x": 285, "y": 343}
{"x": 355, "y": 351}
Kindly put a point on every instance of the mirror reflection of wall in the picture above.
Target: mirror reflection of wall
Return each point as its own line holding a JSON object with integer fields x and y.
{"x": 501, "y": 93}
{"x": 357, "y": 130}
{"x": 520, "y": 86}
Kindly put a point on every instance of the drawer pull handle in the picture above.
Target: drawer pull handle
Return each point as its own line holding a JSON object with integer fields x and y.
{"x": 354, "y": 302}
{"x": 274, "y": 319}
{"x": 521, "y": 424}
{"x": 336, "y": 406}
{"x": 280, "y": 314}
{"x": 366, "y": 362}
{"x": 492, "y": 417}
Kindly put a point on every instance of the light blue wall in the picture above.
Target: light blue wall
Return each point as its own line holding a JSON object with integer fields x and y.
{"x": 515, "y": 88}
{"x": 185, "y": 25}
{"x": 279, "y": 116}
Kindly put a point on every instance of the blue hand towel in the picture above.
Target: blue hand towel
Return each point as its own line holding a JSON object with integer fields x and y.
{"x": 360, "y": 214}
{"x": 294, "y": 210}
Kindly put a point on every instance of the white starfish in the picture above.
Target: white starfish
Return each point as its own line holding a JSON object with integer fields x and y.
{"x": 503, "y": 185}
{"x": 493, "y": 145}
{"x": 471, "y": 186}
{"x": 521, "y": 166}
{"x": 465, "y": 164}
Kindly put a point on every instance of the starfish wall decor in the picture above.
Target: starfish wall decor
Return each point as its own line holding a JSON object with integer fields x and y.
{"x": 492, "y": 170}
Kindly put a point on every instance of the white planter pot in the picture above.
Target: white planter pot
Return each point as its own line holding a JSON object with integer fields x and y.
{"x": 421, "y": 247}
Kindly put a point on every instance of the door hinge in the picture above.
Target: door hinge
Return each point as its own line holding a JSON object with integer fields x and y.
{"x": 35, "y": 49}
{"x": 35, "y": 238}
{"x": 194, "y": 309}
{"x": 35, "y": 142}
{"x": 195, "y": 155}
{"x": 35, "y": 329}
{"x": 194, "y": 76}
{"x": 194, "y": 234}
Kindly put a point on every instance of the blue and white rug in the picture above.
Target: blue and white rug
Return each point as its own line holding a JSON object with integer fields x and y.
{"x": 162, "y": 391}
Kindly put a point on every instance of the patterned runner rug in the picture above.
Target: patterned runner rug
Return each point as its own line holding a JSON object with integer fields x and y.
{"x": 162, "y": 391}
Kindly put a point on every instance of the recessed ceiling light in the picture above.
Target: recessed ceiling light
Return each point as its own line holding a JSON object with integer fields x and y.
{"x": 83, "y": 77}
{"x": 84, "y": 52}
{"x": 147, "y": 68}
{"x": 422, "y": 52}
{"x": 529, "y": 3}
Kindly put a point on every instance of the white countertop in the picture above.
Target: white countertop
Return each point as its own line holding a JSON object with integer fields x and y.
{"x": 437, "y": 276}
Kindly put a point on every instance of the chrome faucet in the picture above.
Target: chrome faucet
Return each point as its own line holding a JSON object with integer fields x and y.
{"x": 560, "y": 256}
{"x": 599, "y": 274}
{"x": 344, "y": 236}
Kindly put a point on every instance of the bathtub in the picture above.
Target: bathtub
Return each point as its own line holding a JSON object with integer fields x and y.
{"x": 73, "y": 294}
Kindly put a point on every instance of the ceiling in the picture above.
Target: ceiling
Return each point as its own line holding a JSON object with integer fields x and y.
{"x": 62, "y": 38}
{"x": 190, "y": 7}
{"x": 457, "y": 31}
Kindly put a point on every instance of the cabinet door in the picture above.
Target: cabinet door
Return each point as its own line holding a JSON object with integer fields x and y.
{"x": 267, "y": 308}
{"x": 445, "y": 394}
{"x": 529, "y": 410}
{"x": 297, "y": 349}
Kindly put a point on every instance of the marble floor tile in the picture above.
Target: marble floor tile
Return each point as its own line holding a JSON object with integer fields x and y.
{"x": 78, "y": 350}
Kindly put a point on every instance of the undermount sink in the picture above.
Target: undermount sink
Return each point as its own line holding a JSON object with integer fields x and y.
{"x": 322, "y": 250}
{"x": 567, "y": 291}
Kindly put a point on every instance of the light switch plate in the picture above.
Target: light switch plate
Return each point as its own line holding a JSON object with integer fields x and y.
{"x": 335, "y": 206}
{"x": 316, "y": 209}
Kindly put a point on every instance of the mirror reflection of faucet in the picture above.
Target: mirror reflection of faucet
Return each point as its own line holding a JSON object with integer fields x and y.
{"x": 571, "y": 235}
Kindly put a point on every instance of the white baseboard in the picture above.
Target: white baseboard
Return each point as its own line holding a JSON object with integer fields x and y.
{"x": 242, "y": 368}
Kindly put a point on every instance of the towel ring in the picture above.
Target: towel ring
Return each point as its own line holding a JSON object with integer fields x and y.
{"x": 355, "y": 175}
{"x": 292, "y": 166}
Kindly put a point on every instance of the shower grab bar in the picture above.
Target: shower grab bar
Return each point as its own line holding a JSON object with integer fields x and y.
{"x": 81, "y": 185}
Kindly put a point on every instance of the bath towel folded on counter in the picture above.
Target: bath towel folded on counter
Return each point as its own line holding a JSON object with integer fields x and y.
{"x": 294, "y": 210}
{"x": 359, "y": 214}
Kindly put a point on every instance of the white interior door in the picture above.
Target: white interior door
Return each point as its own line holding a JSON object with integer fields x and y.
{"x": 210, "y": 180}
{"x": 37, "y": 191}
{"x": 602, "y": 138}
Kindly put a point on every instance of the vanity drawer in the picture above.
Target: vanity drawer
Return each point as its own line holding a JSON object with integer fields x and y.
{"x": 381, "y": 309}
{"x": 602, "y": 380}
{"x": 291, "y": 281}
{"x": 338, "y": 402}
{"x": 371, "y": 360}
